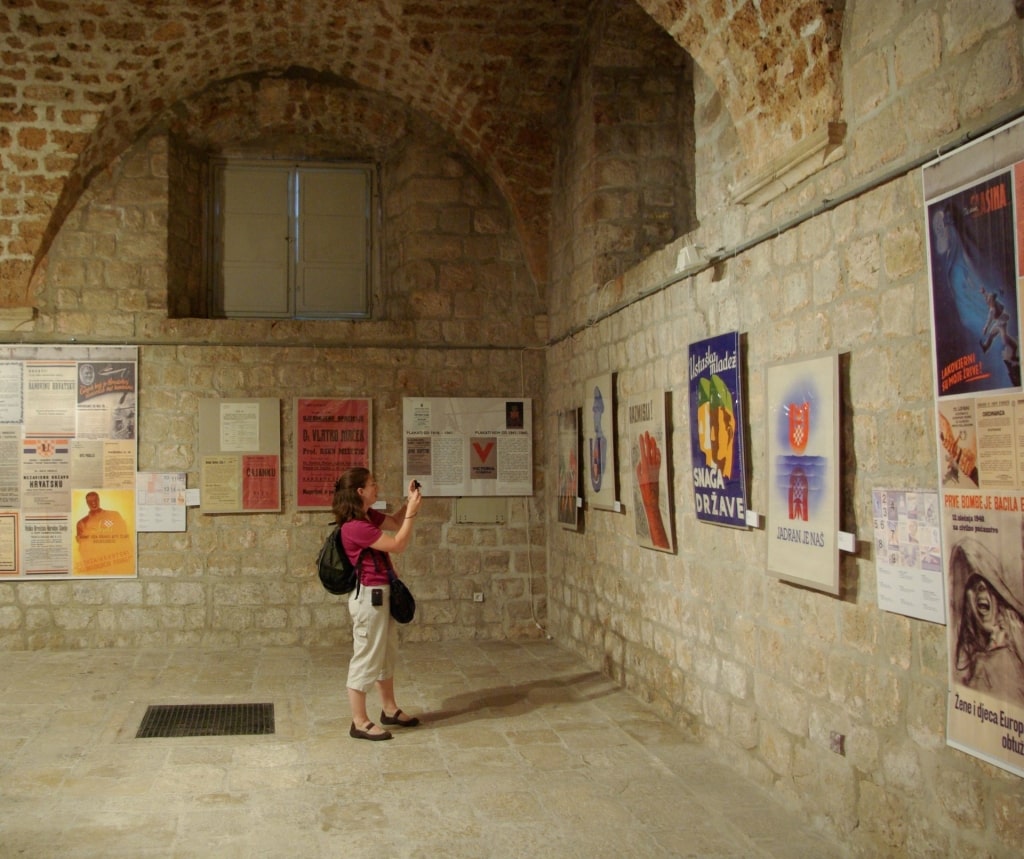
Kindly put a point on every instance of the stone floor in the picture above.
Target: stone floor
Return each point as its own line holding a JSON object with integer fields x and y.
{"x": 525, "y": 752}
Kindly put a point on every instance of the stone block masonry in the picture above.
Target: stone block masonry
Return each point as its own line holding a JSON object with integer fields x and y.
{"x": 230, "y": 580}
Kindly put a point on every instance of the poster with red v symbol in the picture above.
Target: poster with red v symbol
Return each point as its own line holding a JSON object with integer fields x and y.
{"x": 482, "y": 458}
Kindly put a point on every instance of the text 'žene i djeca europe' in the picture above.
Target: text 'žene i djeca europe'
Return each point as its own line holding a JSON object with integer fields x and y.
{"x": 1012, "y": 740}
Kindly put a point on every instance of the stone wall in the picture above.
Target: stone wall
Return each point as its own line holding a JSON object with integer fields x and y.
{"x": 761, "y": 670}
{"x": 626, "y": 187}
{"x": 233, "y": 580}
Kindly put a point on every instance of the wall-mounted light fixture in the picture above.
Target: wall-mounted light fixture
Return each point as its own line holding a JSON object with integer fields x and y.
{"x": 690, "y": 257}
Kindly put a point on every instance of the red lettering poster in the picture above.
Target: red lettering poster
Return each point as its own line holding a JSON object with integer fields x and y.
{"x": 330, "y": 436}
{"x": 261, "y": 482}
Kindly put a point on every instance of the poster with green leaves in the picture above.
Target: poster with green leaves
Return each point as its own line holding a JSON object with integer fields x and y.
{"x": 716, "y": 427}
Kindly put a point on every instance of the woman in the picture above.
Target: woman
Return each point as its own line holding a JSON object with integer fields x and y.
{"x": 374, "y": 633}
{"x": 990, "y": 636}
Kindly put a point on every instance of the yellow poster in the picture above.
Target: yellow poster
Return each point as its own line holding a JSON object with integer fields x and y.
{"x": 104, "y": 532}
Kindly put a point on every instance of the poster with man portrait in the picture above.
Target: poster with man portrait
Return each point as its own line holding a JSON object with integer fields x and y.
{"x": 649, "y": 458}
{"x": 103, "y": 532}
{"x": 716, "y": 431}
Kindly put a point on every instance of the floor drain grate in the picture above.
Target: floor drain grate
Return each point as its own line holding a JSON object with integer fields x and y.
{"x": 206, "y": 720}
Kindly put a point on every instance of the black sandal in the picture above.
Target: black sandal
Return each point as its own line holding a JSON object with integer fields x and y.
{"x": 397, "y": 720}
{"x": 365, "y": 734}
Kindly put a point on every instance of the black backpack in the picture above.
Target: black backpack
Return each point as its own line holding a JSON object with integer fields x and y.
{"x": 337, "y": 573}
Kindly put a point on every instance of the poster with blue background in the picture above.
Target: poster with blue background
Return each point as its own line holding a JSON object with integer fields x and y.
{"x": 716, "y": 431}
{"x": 974, "y": 288}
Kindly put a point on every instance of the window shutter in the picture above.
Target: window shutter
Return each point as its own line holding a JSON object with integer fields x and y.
{"x": 255, "y": 234}
{"x": 333, "y": 264}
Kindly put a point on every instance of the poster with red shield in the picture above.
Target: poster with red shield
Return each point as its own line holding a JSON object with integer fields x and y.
{"x": 802, "y": 398}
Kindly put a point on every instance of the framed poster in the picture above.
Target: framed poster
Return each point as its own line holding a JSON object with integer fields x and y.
{"x": 105, "y": 532}
{"x": 331, "y": 435}
{"x": 908, "y": 553}
{"x": 240, "y": 455}
{"x": 974, "y": 220}
{"x": 975, "y": 328}
{"x": 568, "y": 468}
{"x": 716, "y": 431}
{"x": 468, "y": 445}
{"x": 802, "y": 399}
{"x": 649, "y": 464}
{"x": 599, "y": 445}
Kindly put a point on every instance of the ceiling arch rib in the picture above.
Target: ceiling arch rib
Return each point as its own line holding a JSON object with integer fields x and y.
{"x": 490, "y": 74}
{"x": 492, "y": 78}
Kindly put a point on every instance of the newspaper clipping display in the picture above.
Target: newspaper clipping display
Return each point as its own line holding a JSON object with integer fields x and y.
{"x": 973, "y": 207}
{"x": 476, "y": 446}
{"x": 68, "y": 457}
{"x": 908, "y": 553}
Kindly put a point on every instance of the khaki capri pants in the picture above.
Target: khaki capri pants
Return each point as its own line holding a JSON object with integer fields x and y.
{"x": 374, "y": 640}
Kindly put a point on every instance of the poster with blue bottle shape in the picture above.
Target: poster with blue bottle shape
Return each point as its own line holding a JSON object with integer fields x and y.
{"x": 599, "y": 478}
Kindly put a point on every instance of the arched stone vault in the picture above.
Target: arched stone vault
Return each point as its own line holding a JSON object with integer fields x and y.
{"x": 775, "y": 63}
{"x": 82, "y": 82}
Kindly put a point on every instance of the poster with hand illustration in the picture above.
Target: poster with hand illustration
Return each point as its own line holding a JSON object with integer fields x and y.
{"x": 649, "y": 467}
{"x": 716, "y": 431}
{"x": 974, "y": 224}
